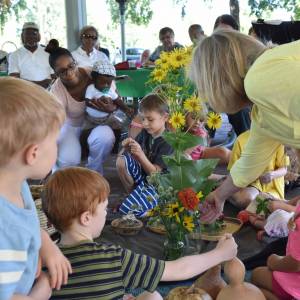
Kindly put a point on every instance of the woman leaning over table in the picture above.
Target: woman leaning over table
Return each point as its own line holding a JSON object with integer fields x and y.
{"x": 70, "y": 88}
{"x": 233, "y": 70}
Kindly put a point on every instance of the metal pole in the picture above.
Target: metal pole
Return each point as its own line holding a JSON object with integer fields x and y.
{"x": 122, "y": 23}
{"x": 76, "y": 19}
{"x": 123, "y": 37}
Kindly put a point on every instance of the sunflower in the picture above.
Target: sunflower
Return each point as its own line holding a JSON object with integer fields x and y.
{"x": 159, "y": 74}
{"x": 163, "y": 62}
{"x": 178, "y": 58}
{"x": 173, "y": 210}
{"x": 188, "y": 223}
{"x": 177, "y": 120}
{"x": 189, "y": 50}
{"x": 192, "y": 104}
{"x": 214, "y": 120}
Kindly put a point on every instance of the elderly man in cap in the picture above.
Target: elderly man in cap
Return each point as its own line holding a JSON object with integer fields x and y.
{"x": 31, "y": 62}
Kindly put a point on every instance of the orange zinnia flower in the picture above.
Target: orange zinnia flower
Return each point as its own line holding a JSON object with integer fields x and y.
{"x": 188, "y": 198}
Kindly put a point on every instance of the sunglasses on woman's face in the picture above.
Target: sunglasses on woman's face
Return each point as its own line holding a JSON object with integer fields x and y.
{"x": 64, "y": 72}
{"x": 89, "y": 36}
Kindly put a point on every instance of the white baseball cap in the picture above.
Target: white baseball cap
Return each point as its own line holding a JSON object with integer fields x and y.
{"x": 30, "y": 25}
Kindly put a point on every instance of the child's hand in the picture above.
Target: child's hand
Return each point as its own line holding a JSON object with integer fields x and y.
{"x": 136, "y": 150}
{"x": 189, "y": 150}
{"x": 126, "y": 142}
{"x": 272, "y": 261}
{"x": 266, "y": 177}
{"x": 227, "y": 247}
{"x": 57, "y": 264}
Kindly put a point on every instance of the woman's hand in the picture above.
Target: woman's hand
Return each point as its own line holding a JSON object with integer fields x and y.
{"x": 103, "y": 104}
{"x": 211, "y": 208}
{"x": 214, "y": 202}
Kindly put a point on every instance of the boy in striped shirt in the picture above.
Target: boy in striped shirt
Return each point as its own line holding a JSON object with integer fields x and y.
{"x": 30, "y": 119}
{"x": 75, "y": 201}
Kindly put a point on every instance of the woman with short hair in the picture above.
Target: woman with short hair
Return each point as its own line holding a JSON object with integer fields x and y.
{"x": 87, "y": 53}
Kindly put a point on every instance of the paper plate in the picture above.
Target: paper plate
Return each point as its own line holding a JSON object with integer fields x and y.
{"x": 160, "y": 229}
{"x": 232, "y": 225}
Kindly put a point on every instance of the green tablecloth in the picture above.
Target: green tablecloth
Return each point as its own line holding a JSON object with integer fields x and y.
{"x": 135, "y": 86}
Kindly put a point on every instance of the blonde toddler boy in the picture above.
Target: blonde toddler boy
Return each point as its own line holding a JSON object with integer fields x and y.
{"x": 30, "y": 119}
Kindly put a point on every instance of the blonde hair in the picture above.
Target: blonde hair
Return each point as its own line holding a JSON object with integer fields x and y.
{"x": 28, "y": 114}
{"x": 72, "y": 191}
{"x": 219, "y": 65}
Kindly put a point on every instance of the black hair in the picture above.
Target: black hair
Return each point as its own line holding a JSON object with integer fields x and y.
{"x": 228, "y": 20}
{"x": 52, "y": 44}
{"x": 56, "y": 53}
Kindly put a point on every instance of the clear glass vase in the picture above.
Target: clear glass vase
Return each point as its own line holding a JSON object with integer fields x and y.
{"x": 173, "y": 248}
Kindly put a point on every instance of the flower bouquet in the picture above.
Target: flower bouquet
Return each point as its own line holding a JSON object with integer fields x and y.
{"x": 186, "y": 183}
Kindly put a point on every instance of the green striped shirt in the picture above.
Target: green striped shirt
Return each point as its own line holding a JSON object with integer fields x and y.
{"x": 103, "y": 271}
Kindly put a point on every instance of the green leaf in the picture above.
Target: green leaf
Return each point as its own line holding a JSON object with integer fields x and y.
{"x": 204, "y": 167}
{"x": 181, "y": 140}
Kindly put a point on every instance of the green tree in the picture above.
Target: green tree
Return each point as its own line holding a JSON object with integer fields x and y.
{"x": 9, "y": 8}
{"x": 137, "y": 11}
{"x": 257, "y": 7}
{"x": 234, "y": 6}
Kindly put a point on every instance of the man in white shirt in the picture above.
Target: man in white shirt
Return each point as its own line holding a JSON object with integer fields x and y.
{"x": 87, "y": 54}
{"x": 31, "y": 62}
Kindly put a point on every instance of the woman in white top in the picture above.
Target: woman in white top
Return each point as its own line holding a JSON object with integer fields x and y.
{"x": 87, "y": 54}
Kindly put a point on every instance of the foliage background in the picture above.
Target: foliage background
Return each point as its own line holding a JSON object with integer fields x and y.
{"x": 151, "y": 15}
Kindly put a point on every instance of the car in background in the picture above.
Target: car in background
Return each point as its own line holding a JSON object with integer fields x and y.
{"x": 134, "y": 53}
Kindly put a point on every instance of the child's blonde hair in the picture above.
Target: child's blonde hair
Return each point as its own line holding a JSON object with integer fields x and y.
{"x": 219, "y": 65}
{"x": 28, "y": 114}
{"x": 72, "y": 191}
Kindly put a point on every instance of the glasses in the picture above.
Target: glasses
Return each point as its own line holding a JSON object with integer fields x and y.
{"x": 90, "y": 36}
{"x": 64, "y": 72}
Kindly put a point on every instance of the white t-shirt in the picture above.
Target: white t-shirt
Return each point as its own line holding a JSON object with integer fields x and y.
{"x": 83, "y": 60}
{"x": 92, "y": 93}
{"x": 33, "y": 66}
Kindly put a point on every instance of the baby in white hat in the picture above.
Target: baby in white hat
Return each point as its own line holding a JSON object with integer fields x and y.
{"x": 102, "y": 94}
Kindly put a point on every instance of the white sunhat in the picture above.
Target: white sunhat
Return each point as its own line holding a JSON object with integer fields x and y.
{"x": 104, "y": 67}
